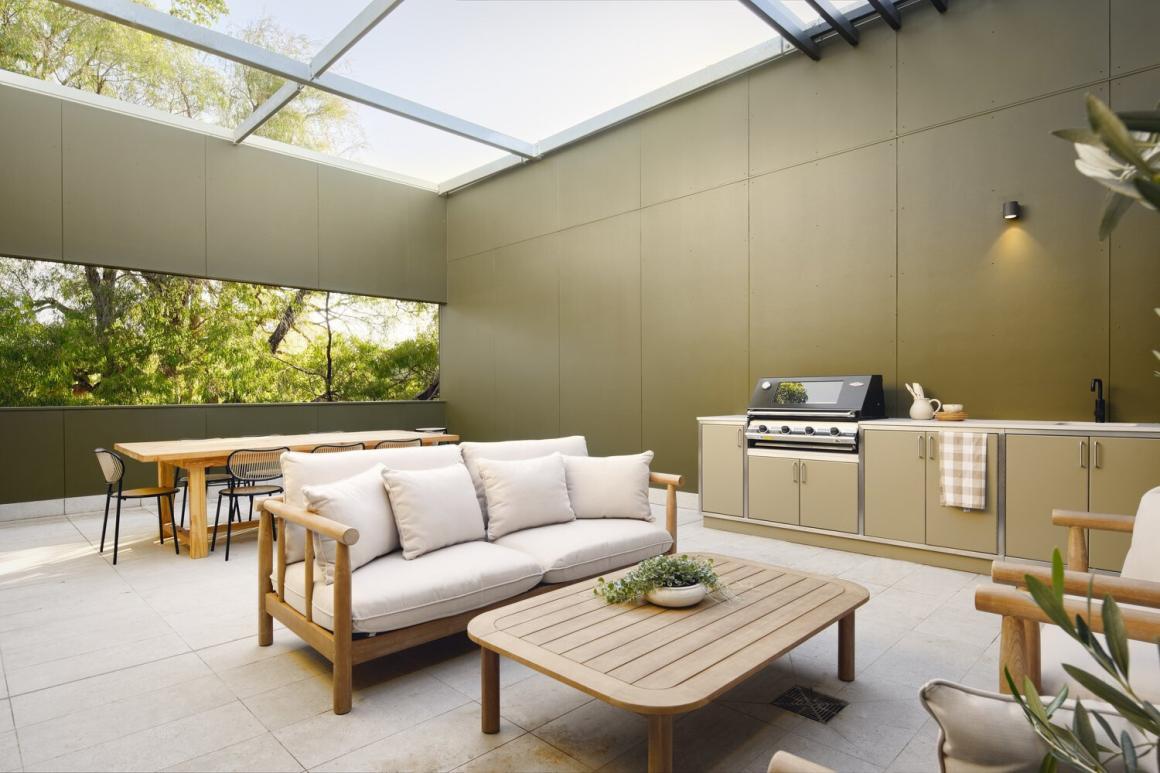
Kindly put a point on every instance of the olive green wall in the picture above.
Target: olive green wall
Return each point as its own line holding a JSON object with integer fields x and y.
{"x": 87, "y": 185}
{"x": 48, "y": 453}
{"x": 823, "y": 217}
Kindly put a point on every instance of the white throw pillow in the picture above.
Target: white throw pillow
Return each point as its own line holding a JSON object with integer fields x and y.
{"x": 433, "y": 508}
{"x": 609, "y": 486}
{"x": 1141, "y": 563}
{"x": 509, "y": 450}
{"x": 360, "y": 501}
{"x": 301, "y": 469}
{"x": 525, "y": 493}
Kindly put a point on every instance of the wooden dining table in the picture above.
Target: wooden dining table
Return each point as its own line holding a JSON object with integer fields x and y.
{"x": 196, "y": 456}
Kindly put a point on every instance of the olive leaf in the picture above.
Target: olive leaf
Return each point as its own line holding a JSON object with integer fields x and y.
{"x": 1115, "y": 135}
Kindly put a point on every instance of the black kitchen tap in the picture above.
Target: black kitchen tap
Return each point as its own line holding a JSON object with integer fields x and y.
{"x": 1101, "y": 405}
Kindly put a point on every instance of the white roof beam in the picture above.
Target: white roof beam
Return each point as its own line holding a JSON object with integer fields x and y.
{"x": 219, "y": 44}
{"x": 776, "y": 15}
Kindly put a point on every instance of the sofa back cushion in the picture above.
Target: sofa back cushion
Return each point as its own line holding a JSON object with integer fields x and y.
{"x": 609, "y": 486}
{"x": 433, "y": 508}
{"x": 524, "y": 493}
{"x": 1141, "y": 562}
{"x": 359, "y": 501}
{"x": 301, "y": 469}
{"x": 510, "y": 450}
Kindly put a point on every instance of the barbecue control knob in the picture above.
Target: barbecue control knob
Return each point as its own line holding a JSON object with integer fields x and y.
{"x": 809, "y": 430}
{"x": 766, "y": 385}
{"x": 835, "y": 431}
{"x": 762, "y": 428}
{"x": 785, "y": 430}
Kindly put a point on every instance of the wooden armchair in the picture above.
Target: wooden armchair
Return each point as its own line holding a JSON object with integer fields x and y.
{"x": 1020, "y": 645}
{"x": 340, "y": 646}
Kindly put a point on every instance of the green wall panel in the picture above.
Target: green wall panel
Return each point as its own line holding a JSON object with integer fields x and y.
{"x": 696, "y": 144}
{"x": 86, "y": 429}
{"x": 822, "y": 299}
{"x": 379, "y": 238}
{"x": 990, "y": 53}
{"x": 525, "y": 318}
{"x": 466, "y": 347}
{"x": 134, "y": 192}
{"x": 1133, "y": 36}
{"x": 32, "y": 458}
{"x": 599, "y": 177}
{"x": 515, "y": 206}
{"x": 800, "y": 109}
{"x": 261, "y": 216}
{"x": 694, "y": 271}
{"x": 1010, "y": 319}
{"x": 245, "y": 420}
{"x": 600, "y": 354}
{"x": 352, "y": 417}
{"x": 30, "y": 192}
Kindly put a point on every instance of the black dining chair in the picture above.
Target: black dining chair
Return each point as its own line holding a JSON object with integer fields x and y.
{"x": 398, "y": 443}
{"x": 249, "y": 470}
{"x": 336, "y": 448}
{"x": 113, "y": 468}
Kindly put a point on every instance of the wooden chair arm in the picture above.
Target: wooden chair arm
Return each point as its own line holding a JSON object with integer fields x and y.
{"x": 671, "y": 483}
{"x": 1085, "y": 520}
{"x": 1140, "y": 624}
{"x": 666, "y": 479}
{"x": 1122, "y": 589}
{"x": 310, "y": 521}
{"x": 784, "y": 762}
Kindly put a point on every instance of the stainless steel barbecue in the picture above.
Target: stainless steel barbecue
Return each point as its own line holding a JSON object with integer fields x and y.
{"x": 818, "y": 413}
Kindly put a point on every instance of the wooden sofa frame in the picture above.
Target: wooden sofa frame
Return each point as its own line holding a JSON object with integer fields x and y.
{"x": 1019, "y": 636}
{"x": 339, "y": 646}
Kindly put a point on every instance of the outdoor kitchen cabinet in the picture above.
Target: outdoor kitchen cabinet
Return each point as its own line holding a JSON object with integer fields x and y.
{"x": 1075, "y": 472}
{"x": 722, "y": 467}
{"x": 902, "y": 494}
{"x": 804, "y": 491}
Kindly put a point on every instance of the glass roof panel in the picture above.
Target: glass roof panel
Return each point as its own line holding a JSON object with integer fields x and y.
{"x": 532, "y": 69}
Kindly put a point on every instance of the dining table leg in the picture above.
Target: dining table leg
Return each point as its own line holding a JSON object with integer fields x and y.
{"x": 165, "y": 473}
{"x": 198, "y": 536}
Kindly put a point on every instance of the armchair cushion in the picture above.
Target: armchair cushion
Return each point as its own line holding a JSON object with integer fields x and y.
{"x": 609, "y": 486}
{"x": 1143, "y": 559}
{"x": 433, "y": 508}
{"x": 574, "y": 445}
{"x": 588, "y": 546}
{"x": 301, "y": 469}
{"x": 1057, "y": 648}
{"x": 984, "y": 732}
{"x": 359, "y": 501}
{"x": 524, "y": 493}
{"x": 392, "y": 592}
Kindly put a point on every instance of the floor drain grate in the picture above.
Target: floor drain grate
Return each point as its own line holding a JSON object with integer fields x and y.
{"x": 809, "y": 704}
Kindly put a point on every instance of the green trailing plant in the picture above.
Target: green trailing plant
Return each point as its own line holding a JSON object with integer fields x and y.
{"x": 659, "y": 572}
{"x": 1080, "y": 746}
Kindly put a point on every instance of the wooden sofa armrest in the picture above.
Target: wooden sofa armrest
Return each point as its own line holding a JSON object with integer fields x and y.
{"x": 1122, "y": 589}
{"x": 311, "y": 521}
{"x": 1139, "y": 624}
{"x": 1078, "y": 522}
{"x": 671, "y": 483}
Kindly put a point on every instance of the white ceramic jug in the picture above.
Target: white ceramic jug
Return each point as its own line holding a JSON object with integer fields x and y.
{"x": 924, "y": 408}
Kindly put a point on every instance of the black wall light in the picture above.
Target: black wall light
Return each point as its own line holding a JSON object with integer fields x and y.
{"x": 1012, "y": 210}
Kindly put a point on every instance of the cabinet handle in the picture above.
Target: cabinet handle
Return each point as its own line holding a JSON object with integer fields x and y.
{"x": 930, "y": 447}
{"x": 1083, "y": 454}
{"x": 803, "y": 472}
{"x": 795, "y": 472}
{"x": 921, "y": 446}
{"x": 740, "y": 434}
{"x": 1099, "y": 462}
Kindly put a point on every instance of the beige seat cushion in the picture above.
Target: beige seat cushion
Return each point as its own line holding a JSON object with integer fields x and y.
{"x": 302, "y": 469}
{"x": 1057, "y": 648}
{"x": 586, "y": 547}
{"x": 984, "y": 732}
{"x": 1143, "y": 559}
{"x": 511, "y": 450}
{"x": 392, "y": 592}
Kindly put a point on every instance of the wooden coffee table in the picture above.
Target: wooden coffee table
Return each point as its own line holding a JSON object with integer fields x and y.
{"x": 660, "y": 662}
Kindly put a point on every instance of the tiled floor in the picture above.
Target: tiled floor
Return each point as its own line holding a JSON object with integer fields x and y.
{"x": 153, "y": 665}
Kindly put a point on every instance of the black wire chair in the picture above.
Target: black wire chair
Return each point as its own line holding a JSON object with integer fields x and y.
{"x": 336, "y": 448}
{"x": 248, "y": 469}
{"x": 113, "y": 468}
{"x": 398, "y": 443}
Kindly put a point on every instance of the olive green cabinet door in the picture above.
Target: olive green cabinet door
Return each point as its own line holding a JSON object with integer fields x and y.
{"x": 773, "y": 489}
{"x": 953, "y": 527}
{"x": 829, "y": 495}
{"x": 1122, "y": 470}
{"x": 722, "y": 461}
{"x": 1044, "y": 472}
{"x": 895, "y": 485}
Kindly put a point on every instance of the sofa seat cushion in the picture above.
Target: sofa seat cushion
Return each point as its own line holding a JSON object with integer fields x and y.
{"x": 1057, "y": 648}
{"x": 392, "y": 592}
{"x": 587, "y": 547}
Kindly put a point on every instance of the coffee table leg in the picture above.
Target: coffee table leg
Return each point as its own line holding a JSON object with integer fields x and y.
{"x": 846, "y": 648}
{"x": 660, "y": 743}
{"x": 489, "y": 681}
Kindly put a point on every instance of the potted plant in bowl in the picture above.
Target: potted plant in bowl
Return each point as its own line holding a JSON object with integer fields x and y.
{"x": 667, "y": 581}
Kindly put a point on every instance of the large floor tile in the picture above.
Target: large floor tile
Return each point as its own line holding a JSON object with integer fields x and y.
{"x": 103, "y": 661}
{"x": 254, "y": 755}
{"x": 462, "y": 673}
{"x": 596, "y": 733}
{"x": 292, "y": 702}
{"x": 538, "y": 700}
{"x": 526, "y": 754}
{"x": 919, "y": 657}
{"x": 278, "y": 671}
{"x": 9, "y": 752}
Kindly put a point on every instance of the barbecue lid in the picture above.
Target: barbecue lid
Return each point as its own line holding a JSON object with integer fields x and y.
{"x": 860, "y": 395}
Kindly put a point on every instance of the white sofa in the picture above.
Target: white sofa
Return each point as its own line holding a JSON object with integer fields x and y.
{"x": 392, "y": 603}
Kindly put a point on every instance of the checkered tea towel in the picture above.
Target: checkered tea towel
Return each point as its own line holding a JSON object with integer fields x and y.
{"x": 962, "y": 469}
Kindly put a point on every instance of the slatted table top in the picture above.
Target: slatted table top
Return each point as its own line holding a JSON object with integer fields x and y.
{"x": 218, "y": 448}
{"x": 665, "y": 661}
